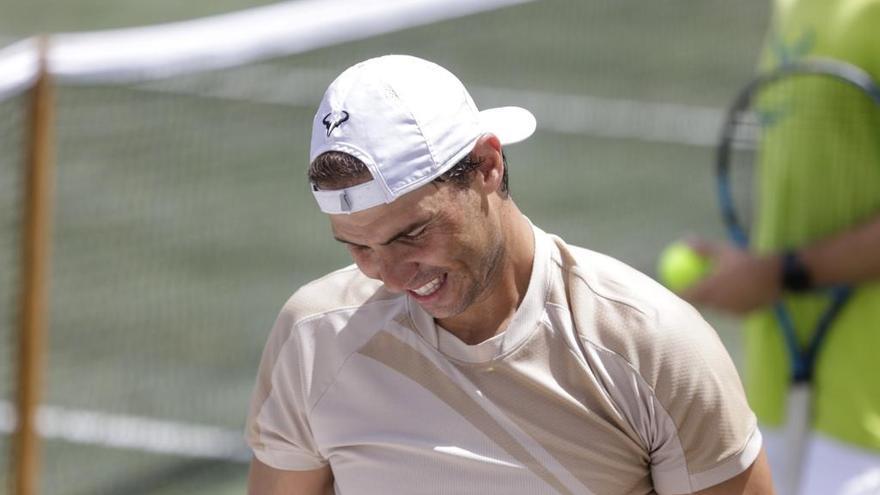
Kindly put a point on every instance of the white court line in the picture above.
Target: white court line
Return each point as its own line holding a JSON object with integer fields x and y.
{"x": 613, "y": 118}
{"x": 561, "y": 113}
{"x": 134, "y": 433}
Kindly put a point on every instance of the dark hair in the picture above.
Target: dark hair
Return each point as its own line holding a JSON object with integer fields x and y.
{"x": 336, "y": 170}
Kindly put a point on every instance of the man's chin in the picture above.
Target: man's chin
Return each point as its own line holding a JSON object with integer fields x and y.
{"x": 438, "y": 313}
{"x": 440, "y": 306}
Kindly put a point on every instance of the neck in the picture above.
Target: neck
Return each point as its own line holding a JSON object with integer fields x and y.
{"x": 490, "y": 315}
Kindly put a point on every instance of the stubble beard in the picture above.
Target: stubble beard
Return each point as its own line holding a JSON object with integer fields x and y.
{"x": 481, "y": 289}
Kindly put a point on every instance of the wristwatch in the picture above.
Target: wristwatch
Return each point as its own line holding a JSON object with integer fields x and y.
{"x": 795, "y": 275}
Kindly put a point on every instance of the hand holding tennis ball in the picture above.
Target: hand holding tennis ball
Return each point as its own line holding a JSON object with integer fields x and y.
{"x": 680, "y": 266}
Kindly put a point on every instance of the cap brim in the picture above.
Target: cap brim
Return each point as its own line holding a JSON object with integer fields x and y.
{"x": 509, "y": 124}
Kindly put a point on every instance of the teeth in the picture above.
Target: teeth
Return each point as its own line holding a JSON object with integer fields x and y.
{"x": 429, "y": 288}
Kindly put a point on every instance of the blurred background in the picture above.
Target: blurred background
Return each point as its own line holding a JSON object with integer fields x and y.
{"x": 183, "y": 221}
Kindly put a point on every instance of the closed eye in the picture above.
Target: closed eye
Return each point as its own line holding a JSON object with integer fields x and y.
{"x": 415, "y": 234}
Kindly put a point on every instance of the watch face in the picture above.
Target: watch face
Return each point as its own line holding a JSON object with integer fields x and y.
{"x": 795, "y": 276}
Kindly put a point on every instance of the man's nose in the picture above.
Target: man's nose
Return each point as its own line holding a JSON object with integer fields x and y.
{"x": 395, "y": 270}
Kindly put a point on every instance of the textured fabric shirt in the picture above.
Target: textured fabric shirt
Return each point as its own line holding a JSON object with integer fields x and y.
{"x": 603, "y": 383}
{"x": 820, "y": 175}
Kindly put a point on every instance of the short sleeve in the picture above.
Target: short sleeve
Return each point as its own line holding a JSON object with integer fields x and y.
{"x": 704, "y": 431}
{"x": 670, "y": 377}
{"x": 278, "y": 428}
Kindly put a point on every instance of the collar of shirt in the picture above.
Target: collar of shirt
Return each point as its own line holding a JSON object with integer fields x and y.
{"x": 524, "y": 322}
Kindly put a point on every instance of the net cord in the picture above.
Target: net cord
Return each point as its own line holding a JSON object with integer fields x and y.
{"x": 222, "y": 41}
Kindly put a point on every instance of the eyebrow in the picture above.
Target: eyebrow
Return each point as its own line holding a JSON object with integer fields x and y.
{"x": 406, "y": 230}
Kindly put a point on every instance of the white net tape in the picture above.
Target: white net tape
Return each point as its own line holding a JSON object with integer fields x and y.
{"x": 229, "y": 40}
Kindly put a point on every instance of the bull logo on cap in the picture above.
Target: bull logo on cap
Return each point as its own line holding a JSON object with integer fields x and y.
{"x": 333, "y": 120}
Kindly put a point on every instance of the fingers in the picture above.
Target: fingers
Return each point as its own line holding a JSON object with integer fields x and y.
{"x": 698, "y": 293}
{"x": 735, "y": 282}
{"x": 740, "y": 282}
{"x": 704, "y": 247}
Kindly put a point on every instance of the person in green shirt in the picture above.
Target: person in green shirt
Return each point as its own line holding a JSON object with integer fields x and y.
{"x": 830, "y": 216}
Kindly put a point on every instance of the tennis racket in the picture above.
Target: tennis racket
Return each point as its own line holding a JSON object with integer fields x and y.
{"x": 774, "y": 114}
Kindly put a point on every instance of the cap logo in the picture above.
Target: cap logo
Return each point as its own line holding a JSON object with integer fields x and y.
{"x": 333, "y": 120}
{"x": 344, "y": 202}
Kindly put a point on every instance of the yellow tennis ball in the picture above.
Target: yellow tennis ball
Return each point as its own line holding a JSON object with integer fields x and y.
{"x": 680, "y": 266}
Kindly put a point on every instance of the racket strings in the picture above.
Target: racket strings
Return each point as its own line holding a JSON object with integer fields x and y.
{"x": 801, "y": 161}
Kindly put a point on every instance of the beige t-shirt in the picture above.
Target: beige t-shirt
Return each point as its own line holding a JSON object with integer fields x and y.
{"x": 603, "y": 383}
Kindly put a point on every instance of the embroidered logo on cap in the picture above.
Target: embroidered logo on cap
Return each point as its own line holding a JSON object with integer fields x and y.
{"x": 333, "y": 120}
{"x": 344, "y": 201}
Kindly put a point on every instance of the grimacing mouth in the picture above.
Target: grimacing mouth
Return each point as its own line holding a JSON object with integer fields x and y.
{"x": 431, "y": 286}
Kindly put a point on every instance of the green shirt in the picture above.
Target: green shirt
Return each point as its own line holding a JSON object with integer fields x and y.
{"x": 812, "y": 186}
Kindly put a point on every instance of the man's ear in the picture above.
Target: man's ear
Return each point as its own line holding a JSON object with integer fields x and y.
{"x": 487, "y": 151}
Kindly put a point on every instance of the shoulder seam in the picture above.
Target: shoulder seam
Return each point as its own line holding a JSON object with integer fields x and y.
{"x": 587, "y": 340}
{"x": 338, "y": 370}
{"x": 328, "y": 275}
{"x": 341, "y": 309}
{"x": 584, "y": 340}
{"x": 575, "y": 272}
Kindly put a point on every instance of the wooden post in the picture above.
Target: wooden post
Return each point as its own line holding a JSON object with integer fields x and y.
{"x": 35, "y": 255}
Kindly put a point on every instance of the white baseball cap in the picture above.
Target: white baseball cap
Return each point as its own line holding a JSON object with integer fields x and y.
{"x": 408, "y": 120}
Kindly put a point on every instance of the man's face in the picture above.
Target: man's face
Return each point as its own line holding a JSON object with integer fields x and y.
{"x": 440, "y": 244}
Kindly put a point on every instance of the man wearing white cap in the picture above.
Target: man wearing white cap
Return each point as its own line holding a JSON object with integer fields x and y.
{"x": 467, "y": 351}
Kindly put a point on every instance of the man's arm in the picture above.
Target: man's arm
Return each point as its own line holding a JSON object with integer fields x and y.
{"x": 742, "y": 281}
{"x": 265, "y": 480}
{"x": 755, "y": 480}
{"x": 848, "y": 258}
